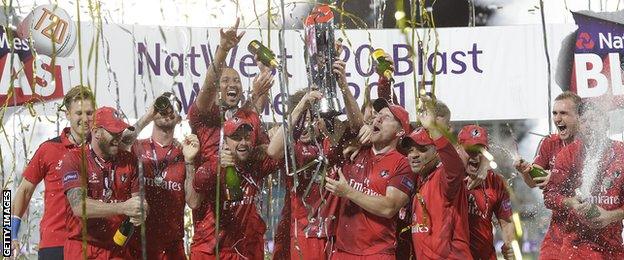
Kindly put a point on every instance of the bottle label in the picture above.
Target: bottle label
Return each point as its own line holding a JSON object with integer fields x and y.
{"x": 120, "y": 239}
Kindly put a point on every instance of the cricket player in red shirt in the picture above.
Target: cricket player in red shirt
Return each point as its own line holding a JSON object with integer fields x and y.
{"x": 168, "y": 171}
{"x": 490, "y": 197}
{"x": 207, "y": 110}
{"x": 565, "y": 118}
{"x": 594, "y": 221}
{"x": 45, "y": 166}
{"x": 241, "y": 229}
{"x": 101, "y": 185}
{"x": 305, "y": 225}
{"x": 440, "y": 206}
{"x": 374, "y": 186}
{"x": 308, "y": 218}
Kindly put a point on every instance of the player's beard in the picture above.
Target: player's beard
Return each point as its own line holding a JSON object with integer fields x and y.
{"x": 108, "y": 149}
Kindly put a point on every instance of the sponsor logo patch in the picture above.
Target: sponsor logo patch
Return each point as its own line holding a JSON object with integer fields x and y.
{"x": 506, "y": 205}
{"x": 70, "y": 176}
{"x": 408, "y": 183}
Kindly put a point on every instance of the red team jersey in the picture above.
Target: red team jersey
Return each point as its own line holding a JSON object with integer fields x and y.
{"x": 358, "y": 231}
{"x": 109, "y": 182}
{"x": 491, "y": 197}
{"x": 207, "y": 127}
{"x": 440, "y": 209}
{"x": 607, "y": 192}
{"x": 46, "y": 165}
{"x": 296, "y": 234}
{"x": 165, "y": 219}
{"x": 545, "y": 158}
{"x": 241, "y": 229}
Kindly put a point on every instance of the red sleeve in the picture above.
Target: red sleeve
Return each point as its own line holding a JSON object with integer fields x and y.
{"x": 70, "y": 170}
{"x": 197, "y": 120}
{"x": 263, "y": 137}
{"x": 36, "y": 169}
{"x": 558, "y": 187}
{"x": 544, "y": 153}
{"x": 403, "y": 178}
{"x": 268, "y": 166}
{"x": 502, "y": 208}
{"x": 206, "y": 176}
{"x": 454, "y": 170}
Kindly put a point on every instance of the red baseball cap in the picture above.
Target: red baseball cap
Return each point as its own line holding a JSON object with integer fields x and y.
{"x": 419, "y": 137}
{"x": 111, "y": 120}
{"x": 397, "y": 111}
{"x": 473, "y": 135}
{"x": 231, "y": 125}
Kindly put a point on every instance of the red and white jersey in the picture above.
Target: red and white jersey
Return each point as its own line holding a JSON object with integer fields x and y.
{"x": 607, "y": 192}
{"x": 45, "y": 166}
{"x": 440, "y": 209}
{"x": 359, "y": 232}
{"x": 164, "y": 173}
{"x": 485, "y": 200}
{"x": 239, "y": 220}
{"x": 107, "y": 181}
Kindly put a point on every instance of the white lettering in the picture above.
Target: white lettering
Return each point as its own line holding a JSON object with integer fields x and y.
{"x": 617, "y": 87}
{"x": 165, "y": 185}
{"x": 584, "y": 74}
{"x": 604, "y": 200}
{"x": 611, "y": 41}
{"x": 420, "y": 228}
{"x": 605, "y": 40}
{"x": 361, "y": 188}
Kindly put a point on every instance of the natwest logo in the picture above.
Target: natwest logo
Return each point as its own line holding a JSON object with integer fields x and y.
{"x": 610, "y": 41}
{"x": 585, "y": 42}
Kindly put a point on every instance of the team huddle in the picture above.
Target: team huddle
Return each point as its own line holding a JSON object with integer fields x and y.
{"x": 374, "y": 186}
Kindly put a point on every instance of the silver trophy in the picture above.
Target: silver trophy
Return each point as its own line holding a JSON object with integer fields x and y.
{"x": 320, "y": 54}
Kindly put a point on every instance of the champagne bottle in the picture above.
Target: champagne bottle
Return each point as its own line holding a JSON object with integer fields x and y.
{"x": 383, "y": 65}
{"x": 124, "y": 233}
{"x": 233, "y": 189}
{"x": 162, "y": 104}
{"x": 537, "y": 172}
{"x": 593, "y": 212}
{"x": 265, "y": 55}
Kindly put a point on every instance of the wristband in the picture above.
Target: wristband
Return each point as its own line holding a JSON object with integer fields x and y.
{"x": 15, "y": 225}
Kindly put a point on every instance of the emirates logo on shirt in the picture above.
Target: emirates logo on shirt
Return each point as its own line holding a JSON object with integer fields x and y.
{"x": 165, "y": 185}
{"x": 363, "y": 187}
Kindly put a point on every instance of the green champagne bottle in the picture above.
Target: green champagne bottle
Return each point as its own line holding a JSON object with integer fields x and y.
{"x": 593, "y": 212}
{"x": 162, "y": 104}
{"x": 265, "y": 55}
{"x": 124, "y": 233}
{"x": 233, "y": 190}
{"x": 537, "y": 172}
{"x": 383, "y": 65}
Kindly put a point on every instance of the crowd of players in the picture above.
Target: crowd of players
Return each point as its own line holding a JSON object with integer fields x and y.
{"x": 392, "y": 190}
